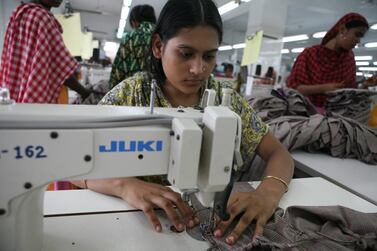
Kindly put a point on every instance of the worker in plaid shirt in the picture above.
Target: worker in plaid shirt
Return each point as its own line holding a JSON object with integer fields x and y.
{"x": 35, "y": 62}
{"x": 331, "y": 64}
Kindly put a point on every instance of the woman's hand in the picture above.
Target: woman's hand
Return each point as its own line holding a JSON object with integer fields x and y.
{"x": 148, "y": 196}
{"x": 332, "y": 86}
{"x": 258, "y": 205}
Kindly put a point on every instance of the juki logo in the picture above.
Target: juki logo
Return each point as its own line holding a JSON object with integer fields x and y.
{"x": 132, "y": 146}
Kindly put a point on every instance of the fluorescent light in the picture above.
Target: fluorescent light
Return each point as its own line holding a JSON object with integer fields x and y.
{"x": 360, "y": 74}
{"x": 225, "y": 48}
{"x": 297, "y": 50}
{"x": 375, "y": 63}
{"x": 295, "y": 38}
{"x": 239, "y": 46}
{"x": 284, "y": 51}
{"x": 374, "y": 27}
{"x": 359, "y": 58}
{"x": 362, "y": 63}
{"x": 371, "y": 45}
{"x": 227, "y": 7}
{"x": 245, "y": 1}
{"x": 320, "y": 34}
{"x": 367, "y": 68}
{"x": 123, "y": 17}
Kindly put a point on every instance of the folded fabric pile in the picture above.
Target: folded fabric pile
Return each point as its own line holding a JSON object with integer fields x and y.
{"x": 282, "y": 102}
{"x": 299, "y": 228}
{"x": 99, "y": 91}
{"x": 350, "y": 103}
{"x": 339, "y": 136}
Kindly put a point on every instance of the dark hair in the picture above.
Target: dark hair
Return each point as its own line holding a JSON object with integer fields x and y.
{"x": 178, "y": 14}
{"x": 228, "y": 66}
{"x": 143, "y": 13}
{"x": 356, "y": 24}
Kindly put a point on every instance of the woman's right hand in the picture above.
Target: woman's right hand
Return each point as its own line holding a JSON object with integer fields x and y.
{"x": 332, "y": 86}
{"x": 148, "y": 196}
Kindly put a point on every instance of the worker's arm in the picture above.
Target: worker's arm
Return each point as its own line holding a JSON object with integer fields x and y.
{"x": 73, "y": 84}
{"x": 317, "y": 89}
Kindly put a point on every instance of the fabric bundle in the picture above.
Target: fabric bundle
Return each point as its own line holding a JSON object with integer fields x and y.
{"x": 282, "y": 102}
{"x": 350, "y": 103}
{"x": 300, "y": 228}
{"x": 339, "y": 136}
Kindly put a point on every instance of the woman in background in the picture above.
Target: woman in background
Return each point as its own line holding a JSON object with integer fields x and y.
{"x": 331, "y": 64}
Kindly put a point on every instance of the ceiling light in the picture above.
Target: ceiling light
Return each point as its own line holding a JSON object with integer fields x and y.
{"x": 227, "y": 7}
{"x": 375, "y": 63}
{"x": 239, "y": 46}
{"x": 284, "y": 51}
{"x": 362, "y": 63}
{"x": 320, "y": 34}
{"x": 371, "y": 45}
{"x": 123, "y": 17}
{"x": 360, "y": 74}
{"x": 367, "y": 68}
{"x": 246, "y": 1}
{"x": 297, "y": 50}
{"x": 295, "y": 38}
{"x": 225, "y": 48}
{"x": 359, "y": 58}
{"x": 374, "y": 27}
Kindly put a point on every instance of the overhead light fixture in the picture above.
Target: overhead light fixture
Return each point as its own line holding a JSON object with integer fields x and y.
{"x": 227, "y": 7}
{"x": 374, "y": 27}
{"x": 225, "y": 48}
{"x": 320, "y": 34}
{"x": 371, "y": 45}
{"x": 360, "y": 58}
{"x": 367, "y": 68}
{"x": 297, "y": 50}
{"x": 375, "y": 63}
{"x": 239, "y": 46}
{"x": 362, "y": 63}
{"x": 295, "y": 38}
{"x": 123, "y": 17}
{"x": 284, "y": 51}
{"x": 360, "y": 74}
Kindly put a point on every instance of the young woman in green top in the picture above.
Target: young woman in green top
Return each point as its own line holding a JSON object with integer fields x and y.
{"x": 184, "y": 46}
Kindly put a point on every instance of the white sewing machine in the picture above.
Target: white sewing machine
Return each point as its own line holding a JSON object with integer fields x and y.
{"x": 44, "y": 143}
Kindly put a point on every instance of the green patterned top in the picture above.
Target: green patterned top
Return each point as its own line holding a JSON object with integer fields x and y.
{"x": 133, "y": 53}
{"x": 135, "y": 91}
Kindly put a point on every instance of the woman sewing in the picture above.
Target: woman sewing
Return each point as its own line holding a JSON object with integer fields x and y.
{"x": 183, "y": 57}
{"x": 330, "y": 65}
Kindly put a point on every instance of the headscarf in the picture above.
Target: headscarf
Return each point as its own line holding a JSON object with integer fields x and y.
{"x": 344, "y": 20}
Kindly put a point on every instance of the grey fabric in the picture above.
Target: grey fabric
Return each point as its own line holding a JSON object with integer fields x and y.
{"x": 304, "y": 228}
{"x": 100, "y": 89}
{"x": 282, "y": 102}
{"x": 334, "y": 134}
{"x": 350, "y": 103}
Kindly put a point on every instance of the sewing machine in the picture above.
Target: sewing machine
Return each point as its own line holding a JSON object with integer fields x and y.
{"x": 196, "y": 148}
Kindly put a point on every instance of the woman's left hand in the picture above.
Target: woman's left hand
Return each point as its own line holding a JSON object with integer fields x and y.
{"x": 258, "y": 205}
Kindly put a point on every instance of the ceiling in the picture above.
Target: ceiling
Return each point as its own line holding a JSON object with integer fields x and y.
{"x": 304, "y": 17}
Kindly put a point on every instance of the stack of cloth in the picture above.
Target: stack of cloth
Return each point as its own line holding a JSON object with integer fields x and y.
{"x": 331, "y": 133}
{"x": 282, "y": 102}
{"x": 99, "y": 91}
{"x": 298, "y": 228}
{"x": 350, "y": 103}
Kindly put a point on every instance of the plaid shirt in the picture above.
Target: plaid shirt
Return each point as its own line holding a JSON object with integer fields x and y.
{"x": 319, "y": 65}
{"x": 133, "y": 54}
{"x": 35, "y": 62}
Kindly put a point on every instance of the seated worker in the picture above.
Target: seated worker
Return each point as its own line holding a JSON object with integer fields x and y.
{"x": 35, "y": 63}
{"x": 228, "y": 71}
{"x": 132, "y": 55}
{"x": 183, "y": 57}
{"x": 331, "y": 64}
